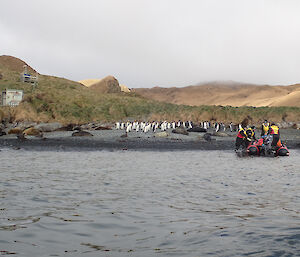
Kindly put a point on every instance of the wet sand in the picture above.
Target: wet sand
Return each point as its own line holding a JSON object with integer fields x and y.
{"x": 112, "y": 140}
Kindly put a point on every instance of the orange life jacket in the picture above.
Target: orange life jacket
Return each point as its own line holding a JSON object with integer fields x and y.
{"x": 279, "y": 143}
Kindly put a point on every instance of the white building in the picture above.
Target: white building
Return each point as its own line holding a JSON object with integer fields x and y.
{"x": 11, "y": 97}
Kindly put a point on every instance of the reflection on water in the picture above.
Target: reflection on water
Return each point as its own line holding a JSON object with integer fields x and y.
{"x": 197, "y": 203}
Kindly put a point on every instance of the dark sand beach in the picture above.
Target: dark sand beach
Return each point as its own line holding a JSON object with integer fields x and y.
{"x": 112, "y": 140}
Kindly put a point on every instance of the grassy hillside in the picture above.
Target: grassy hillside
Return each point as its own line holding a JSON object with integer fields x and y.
{"x": 226, "y": 93}
{"x": 58, "y": 99}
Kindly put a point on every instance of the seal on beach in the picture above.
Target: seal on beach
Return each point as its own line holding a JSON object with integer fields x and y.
{"x": 207, "y": 137}
{"x": 33, "y": 132}
{"x": 220, "y": 134}
{"x": 180, "y": 130}
{"x": 103, "y": 128}
{"x": 48, "y": 127}
{"x": 197, "y": 129}
{"x": 69, "y": 127}
{"x": 21, "y": 136}
{"x": 2, "y": 133}
{"x": 161, "y": 134}
{"x": 15, "y": 131}
{"x": 81, "y": 133}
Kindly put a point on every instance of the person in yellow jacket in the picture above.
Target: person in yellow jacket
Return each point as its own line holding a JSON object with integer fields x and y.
{"x": 250, "y": 132}
{"x": 241, "y": 138}
{"x": 274, "y": 131}
{"x": 244, "y": 137}
{"x": 265, "y": 128}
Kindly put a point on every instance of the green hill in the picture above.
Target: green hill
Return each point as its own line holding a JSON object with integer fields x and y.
{"x": 66, "y": 101}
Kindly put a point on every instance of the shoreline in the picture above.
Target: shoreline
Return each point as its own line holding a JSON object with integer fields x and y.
{"x": 112, "y": 140}
{"x": 97, "y": 145}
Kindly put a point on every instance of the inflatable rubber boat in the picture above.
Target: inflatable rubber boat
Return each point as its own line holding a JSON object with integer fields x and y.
{"x": 262, "y": 147}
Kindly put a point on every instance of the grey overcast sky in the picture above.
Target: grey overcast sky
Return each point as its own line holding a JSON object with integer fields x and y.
{"x": 147, "y": 43}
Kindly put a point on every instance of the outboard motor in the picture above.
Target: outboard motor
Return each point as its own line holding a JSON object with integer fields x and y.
{"x": 267, "y": 148}
{"x": 282, "y": 151}
{"x": 255, "y": 147}
{"x": 253, "y": 150}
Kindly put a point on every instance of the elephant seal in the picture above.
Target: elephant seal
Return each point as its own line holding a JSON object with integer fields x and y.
{"x": 220, "y": 134}
{"x": 207, "y": 137}
{"x": 48, "y": 127}
{"x": 103, "y": 128}
{"x": 180, "y": 130}
{"x": 32, "y": 132}
{"x": 15, "y": 131}
{"x": 197, "y": 129}
{"x": 81, "y": 133}
{"x": 161, "y": 134}
{"x": 21, "y": 136}
{"x": 69, "y": 127}
{"x": 2, "y": 133}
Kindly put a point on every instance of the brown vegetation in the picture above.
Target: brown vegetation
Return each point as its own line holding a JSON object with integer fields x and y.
{"x": 66, "y": 101}
{"x": 92, "y": 82}
{"x": 226, "y": 94}
{"x": 14, "y": 64}
{"x": 106, "y": 85}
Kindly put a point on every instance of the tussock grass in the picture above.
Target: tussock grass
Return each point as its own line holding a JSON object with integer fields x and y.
{"x": 58, "y": 99}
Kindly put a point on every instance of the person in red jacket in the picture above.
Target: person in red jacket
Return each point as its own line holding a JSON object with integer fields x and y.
{"x": 241, "y": 138}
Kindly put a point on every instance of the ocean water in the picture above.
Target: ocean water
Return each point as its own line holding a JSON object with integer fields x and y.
{"x": 131, "y": 203}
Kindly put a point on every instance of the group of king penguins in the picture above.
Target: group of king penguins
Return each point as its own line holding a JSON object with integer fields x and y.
{"x": 151, "y": 126}
{"x": 145, "y": 126}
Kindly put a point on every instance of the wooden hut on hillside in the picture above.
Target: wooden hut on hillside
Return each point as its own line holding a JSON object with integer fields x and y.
{"x": 28, "y": 78}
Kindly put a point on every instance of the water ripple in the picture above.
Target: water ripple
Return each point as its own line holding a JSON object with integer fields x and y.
{"x": 194, "y": 203}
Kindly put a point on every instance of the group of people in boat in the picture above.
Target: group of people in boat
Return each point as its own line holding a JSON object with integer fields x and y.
{"x": 246, "y": 134}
